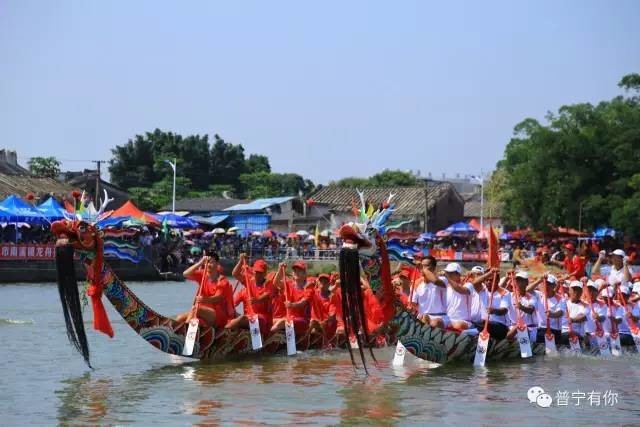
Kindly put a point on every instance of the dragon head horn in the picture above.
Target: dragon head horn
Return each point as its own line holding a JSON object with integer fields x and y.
{"x": 105, "y": 202}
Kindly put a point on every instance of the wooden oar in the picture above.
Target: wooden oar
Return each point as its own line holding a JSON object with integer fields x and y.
{"x": 549, "y": 339}
{"x": 522, "y": 330}
{"x": 254, "y": 324}
{"x": 483, "y": 337}
{"x": 192, "y": 331}
{"x": 574, "y": 340}
{"x": 616, "y": 348}
{"x": 289, "y": 331}
{"x": 603, "y": 344}
{"x": 633, "y": 327}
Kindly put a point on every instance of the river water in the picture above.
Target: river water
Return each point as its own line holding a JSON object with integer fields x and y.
{"x": 44, "y": 382}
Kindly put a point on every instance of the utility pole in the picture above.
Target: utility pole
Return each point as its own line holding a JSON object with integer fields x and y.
{"x": 97, "y": 194}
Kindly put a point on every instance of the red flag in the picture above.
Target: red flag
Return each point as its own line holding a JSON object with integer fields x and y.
{"x": 493, "y": 260}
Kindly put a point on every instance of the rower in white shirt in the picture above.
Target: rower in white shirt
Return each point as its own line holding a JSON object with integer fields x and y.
{"x": 430, "y": 295}
{"x": 619, "y": 273}
{"x": 527, "y": 305}
{"x": 459, "y": 297}
{"x": 631, "y": 312}
{"x": 556, "y": 308}
{"x": 576, "y": 313}
{"x": 598, "y": 313}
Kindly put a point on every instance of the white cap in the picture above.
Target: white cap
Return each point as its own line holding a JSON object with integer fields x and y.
{"x": 478, "y": 269}
{"x": 608, "y": 292}
{"x": 599, "y": 282}
{"x": 453, "y": 267}
{"x": 592, "y": 284}
{"x": 523, "y": 275}
{"x": 576, "y": 284}
{"x": 551, "y": 278}
{"x": 618, "y": 252}
{"x": 636, "y": 288}
{"x": 624, "y": 289}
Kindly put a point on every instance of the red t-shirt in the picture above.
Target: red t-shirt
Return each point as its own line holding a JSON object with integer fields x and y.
{"x": 221, "y": 287}
{"x": 298, "y": 295}
{"x": 263, "y": 307}
{"x": 576, "y": 263}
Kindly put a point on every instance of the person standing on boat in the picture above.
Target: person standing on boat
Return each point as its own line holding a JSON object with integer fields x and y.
{"x": 576, "y": 313}
{"x": 619, "y": 273}
{"x": 527, "y": 304}
{"x": 259, "y": 297}
{"x": 459, "y": 296}
{"x": 572, "y": 263}
{"x": 215, "y": 302}
{"x": 555, "y": 309}
{"x": 430, "y": 295}
{"x": 298, "y": 297}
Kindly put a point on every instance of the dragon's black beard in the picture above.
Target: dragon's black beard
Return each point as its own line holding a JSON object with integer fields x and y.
{"x": 352, "y": 302}
{"x": 70, "y": 299}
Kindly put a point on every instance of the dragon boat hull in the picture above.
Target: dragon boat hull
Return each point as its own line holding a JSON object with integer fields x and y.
{"x": 431, "y": 344}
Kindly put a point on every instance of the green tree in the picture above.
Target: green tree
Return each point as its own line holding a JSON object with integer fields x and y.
{"x": 44, "y": 167}
{"x": 386, "y": 178}
{"x": 132, "y": 164}
{"x": 257, "y": 163}
{"x": 227, "y": 163}
{"x": 579, "y": 167}
{"x": 264, "y": 184}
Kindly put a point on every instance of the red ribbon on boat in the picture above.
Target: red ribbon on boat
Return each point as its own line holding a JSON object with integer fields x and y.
{"x": 100, "y": 319}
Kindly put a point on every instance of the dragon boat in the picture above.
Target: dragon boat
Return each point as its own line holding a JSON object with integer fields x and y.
{"x": 364, "y": 250}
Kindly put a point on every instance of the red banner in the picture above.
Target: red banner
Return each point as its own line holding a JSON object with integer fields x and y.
{"x": 27, "y": 252}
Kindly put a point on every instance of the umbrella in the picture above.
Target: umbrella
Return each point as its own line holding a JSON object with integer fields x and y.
{"x": 425, "y": 237}
{"x": 443, "y": 233}
{"x": 302, "y": 233}
{"x": 218, "y": 231}
{"x": 256, "y": 233}
{"x": 292, "y": 236}
{"x": 232, "y": 229}
{"x": 604, "y": 232}
{"x": 267, "y": 234}
{"x": 460, "y": 228}
{"x": 325, "y": 233}
{"x": 52, "y": 210}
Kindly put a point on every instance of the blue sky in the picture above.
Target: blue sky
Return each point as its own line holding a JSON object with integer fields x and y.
{"x": 325, "y": 90}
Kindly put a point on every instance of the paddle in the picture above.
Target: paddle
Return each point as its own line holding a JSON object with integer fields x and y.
{"x": 549, "y": 339}
{"x": 574, "y": 341}
{"x": 289, "y": 331}
{"x": 254, "y": 324}
{"x": 483, "y": 337}
{"x": 633, "y": 327}
{"x": 616, "y": 349}
{"x": 401, "y": 351}
{"x": 603, "y": 344}
{"x": 192, "y": 331}
{"x": 522, "y": 330}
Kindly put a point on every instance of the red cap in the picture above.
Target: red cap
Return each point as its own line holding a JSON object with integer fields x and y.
{"x": 325, "y": 275}
{"x": 260, "y": 266}
{"x": 569, "y": 246}
{"x": 300, "y": 264}
{"x": 404, "y": 273}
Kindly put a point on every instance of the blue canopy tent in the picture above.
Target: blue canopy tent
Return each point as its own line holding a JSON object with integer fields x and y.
{"x": 52, "y": 210}
{"x": 460, "y": 228}
{"x": 424, "y": 237}
{"x": 176, "y": 221}
{"x": 603, "y": 232}
{"x": 14, "y": 209}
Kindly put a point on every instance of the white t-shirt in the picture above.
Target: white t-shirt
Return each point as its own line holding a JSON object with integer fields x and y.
{"x": 501, "y": 301}
{"x": 431, "y": 299}
{"x": 615, "y": 276}
{"x": 554, "y": 305}
{"x": 623, "y": 327}
{"x": 459, "y": 305}
{"x": 529, "y": 300}
{"x": 575, "y": 310}
{"x": 601, "y": 310}
{"x": 479, "y": 304}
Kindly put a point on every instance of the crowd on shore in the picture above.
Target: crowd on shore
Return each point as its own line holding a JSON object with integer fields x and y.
{"x": 572, "y": 304}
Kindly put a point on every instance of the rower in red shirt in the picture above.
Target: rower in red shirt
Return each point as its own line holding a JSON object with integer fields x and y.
{"x": 298, "y": 298}
{"x": 572, "y": 263}
{"x": 324, "y": 308}
{"x": 402, "y": 286}
{"x": 258, "y": 299}
{"x": 215, "y": 302}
